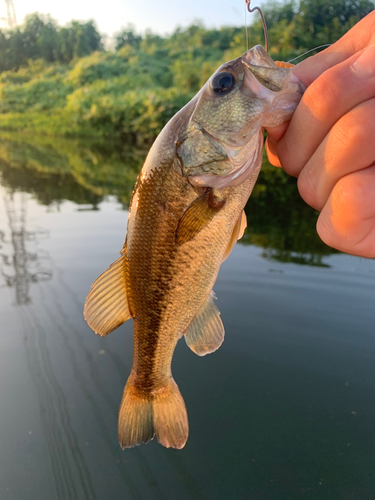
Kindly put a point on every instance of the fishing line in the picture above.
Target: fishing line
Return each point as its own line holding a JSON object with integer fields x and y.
{"x": 246, "y": 34}
{"x": 315, "y": 48}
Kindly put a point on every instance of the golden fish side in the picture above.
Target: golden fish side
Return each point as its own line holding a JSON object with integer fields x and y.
{"x": 169, "y": 284}
{"x": 168, "y": 288}
{"x": 185, "y": 216}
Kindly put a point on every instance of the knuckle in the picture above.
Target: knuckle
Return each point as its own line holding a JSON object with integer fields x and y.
{"x": 353, "y": 193}
{"x": 287, "y": 157}
{"x": 325, "y": 230}
{"x": 321, "y": 95}
{"x": 358, "y": 125}
{"x": 307, "y": 187}
{"x": 363, "y": 118}
{"x": 345, "y": 133}
{"x": 347, "y": 222}
{"x": 345, "y": 194}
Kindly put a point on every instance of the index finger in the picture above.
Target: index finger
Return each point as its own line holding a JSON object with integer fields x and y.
{"x": 331, "y": 96}
{"x": 360, "y": 36}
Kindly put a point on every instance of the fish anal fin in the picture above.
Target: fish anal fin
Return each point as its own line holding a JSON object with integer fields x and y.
{"x": 205, "y": 333}
{"x": 106, "y": 306}
{"x": 197, "y": 216}
{"x": 237, "y": 233}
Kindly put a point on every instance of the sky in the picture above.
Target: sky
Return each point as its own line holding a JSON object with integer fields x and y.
{"x": 161, "y": 16}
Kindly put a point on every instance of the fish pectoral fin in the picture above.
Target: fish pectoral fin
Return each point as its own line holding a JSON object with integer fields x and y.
{"x": 205, "y": 333}
{"x": 197, "y": 216}
{"x": 237, "y": 234}
{"x": 106, "y": 306}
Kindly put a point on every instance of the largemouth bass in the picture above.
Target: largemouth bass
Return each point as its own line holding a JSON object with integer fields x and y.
{"x": 185, "y": 216}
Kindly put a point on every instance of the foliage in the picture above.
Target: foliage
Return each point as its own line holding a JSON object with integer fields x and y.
{"x": 295, "y": 27}
{"x": 60, "y": 81}
{"x": 97, "y": 66}
{"x": 135, "y": 115}
{"x": 39, "y": 37}
{"x": 127, "y": 36}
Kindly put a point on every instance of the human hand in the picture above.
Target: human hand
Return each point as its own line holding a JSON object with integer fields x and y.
{"x": 330, "y": 142}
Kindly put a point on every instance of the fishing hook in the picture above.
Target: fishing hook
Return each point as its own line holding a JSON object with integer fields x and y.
{"x": 247, "y": 2}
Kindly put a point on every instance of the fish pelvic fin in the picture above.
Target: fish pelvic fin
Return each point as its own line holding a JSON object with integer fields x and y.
{"x": 237, "y": 234}
{"x": 205, "y": 333}
{"x": 197, "y": 216}
{"x": 144, "y": 415}
{"x": 106, "y": 306}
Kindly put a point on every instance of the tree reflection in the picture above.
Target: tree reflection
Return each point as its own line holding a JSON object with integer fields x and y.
{"x": 55, "y": 169}
{"x": 281, "y": 223}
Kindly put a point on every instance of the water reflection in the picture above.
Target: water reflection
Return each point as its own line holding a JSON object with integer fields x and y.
{"x": 281, "y": 223}
{"x": 55, "y": 169}
{"x": 20, "y": 265}
{"x": 66, "y": 457}
{"x": 297, "y": 360}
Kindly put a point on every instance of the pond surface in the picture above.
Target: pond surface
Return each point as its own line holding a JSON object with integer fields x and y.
{"x": 285, "y": 409}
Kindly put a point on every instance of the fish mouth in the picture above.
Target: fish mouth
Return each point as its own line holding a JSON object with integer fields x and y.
{"x": 257, "y": 56}
{"x": 265, "y": 70}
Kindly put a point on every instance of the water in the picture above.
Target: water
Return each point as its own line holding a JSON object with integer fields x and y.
{"x": 283, "y": 410}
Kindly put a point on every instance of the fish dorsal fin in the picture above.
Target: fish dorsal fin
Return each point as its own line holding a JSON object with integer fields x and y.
{"x": 205, "y": 333}
{"x": 198, "y": 214}
{"x": 106, "y": 306}
{"x": 237, "y": 233}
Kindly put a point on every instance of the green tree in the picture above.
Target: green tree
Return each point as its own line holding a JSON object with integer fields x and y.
{"x": 127, "y": 36}
{"x": 40, "y": 37}
{"x": 77, "y": 40}
{"x": 325, "y": 22}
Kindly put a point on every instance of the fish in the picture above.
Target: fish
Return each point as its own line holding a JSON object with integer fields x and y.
{"x": 186, "y": 214}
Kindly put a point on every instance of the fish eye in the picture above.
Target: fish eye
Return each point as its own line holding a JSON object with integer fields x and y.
{"x": 222, "y": 83}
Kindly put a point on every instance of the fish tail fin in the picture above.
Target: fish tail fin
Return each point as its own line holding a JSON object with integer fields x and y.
{"x": 170, "y": 416}
{"x": 144, "y": 415}
{"x": 135, "y": 420}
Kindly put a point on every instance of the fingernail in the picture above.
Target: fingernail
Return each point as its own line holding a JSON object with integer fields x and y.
{"x": 271, "y": 149}
{"x": 364, "y": 65}
{"x": 272, "y": 145}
